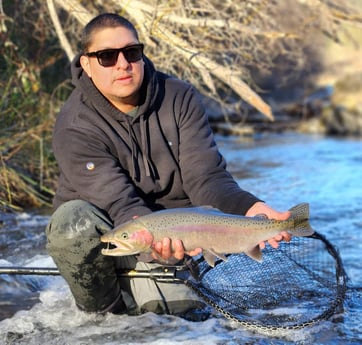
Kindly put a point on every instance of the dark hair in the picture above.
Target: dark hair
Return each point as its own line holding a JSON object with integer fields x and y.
{"x": 105, "y": 20}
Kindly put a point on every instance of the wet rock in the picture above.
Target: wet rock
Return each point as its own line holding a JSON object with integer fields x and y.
{"x": 339, "y": 114}
{"x": 343, "y": 121}
{"x": 12, "y": 337}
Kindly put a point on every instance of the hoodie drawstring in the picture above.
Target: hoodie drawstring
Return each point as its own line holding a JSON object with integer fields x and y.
{"x": 149, "y": 168}
{"x": 133, "y": 151}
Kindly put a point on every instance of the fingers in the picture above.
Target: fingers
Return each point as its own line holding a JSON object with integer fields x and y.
{"x": 179, "y": 251}
{"x": 283, "y": 215}
{"x": 162, "y": 249}
{"x": 167, "y": 251}
{"x": 286, "y": 236}
{"x": 274, "y": 242}
{"x": 262, "y": 245}
{"x": 194, "y": 252}
{"x": 262, "y": 208}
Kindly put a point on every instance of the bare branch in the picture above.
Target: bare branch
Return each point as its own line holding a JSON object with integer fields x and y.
{"x": 216, "y": 44}
{"x": 205, "y": 65}
{"x": 58, "y": 28}
{"x": 74, "y": 8}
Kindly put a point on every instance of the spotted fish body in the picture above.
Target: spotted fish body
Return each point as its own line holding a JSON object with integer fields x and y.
{"x": 217, "y": 233}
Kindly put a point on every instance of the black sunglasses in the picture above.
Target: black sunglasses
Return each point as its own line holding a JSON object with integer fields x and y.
{"x": 109, "y": 57}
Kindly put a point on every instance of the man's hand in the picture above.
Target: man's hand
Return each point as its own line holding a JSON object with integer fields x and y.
{"x": 162, "y": 251}
{"x": 262, "y": 208}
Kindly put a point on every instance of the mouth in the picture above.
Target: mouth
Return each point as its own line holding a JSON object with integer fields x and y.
{"x": 120, "y": 249}
{"x": 125, "y": 78}
{"x": 109, "y": 249}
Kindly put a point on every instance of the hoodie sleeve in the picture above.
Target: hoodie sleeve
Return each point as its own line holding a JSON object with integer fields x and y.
{"x": 203, "y": 169}
{"x": 89, "y": 171}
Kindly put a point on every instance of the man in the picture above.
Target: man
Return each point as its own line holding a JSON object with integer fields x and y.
{"x": 131, "y": 140}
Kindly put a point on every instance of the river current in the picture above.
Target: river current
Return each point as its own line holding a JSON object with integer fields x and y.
{"x": 283, "y": 170}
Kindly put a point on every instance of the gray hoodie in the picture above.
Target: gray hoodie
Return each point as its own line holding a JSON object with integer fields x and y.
{"x": 164, "y": 157}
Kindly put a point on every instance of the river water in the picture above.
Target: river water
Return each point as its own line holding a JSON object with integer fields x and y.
{"x": 283, "y": 170}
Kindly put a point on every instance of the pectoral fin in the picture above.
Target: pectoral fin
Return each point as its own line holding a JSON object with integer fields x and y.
{"x": 255, "y": 254}
{"x": 210, "y": 256}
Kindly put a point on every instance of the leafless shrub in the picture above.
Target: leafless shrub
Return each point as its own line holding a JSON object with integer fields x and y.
{"x": 225, "y": 46}
{"x": 232, "y": 51}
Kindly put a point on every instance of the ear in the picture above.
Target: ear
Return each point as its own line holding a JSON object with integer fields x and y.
{"x": 84, "y": 62}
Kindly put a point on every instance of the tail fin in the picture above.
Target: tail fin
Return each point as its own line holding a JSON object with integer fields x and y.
{"x": 300, "y": 215}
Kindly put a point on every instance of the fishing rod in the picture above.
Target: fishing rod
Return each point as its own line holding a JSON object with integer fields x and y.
{"x": 171, "y": 274}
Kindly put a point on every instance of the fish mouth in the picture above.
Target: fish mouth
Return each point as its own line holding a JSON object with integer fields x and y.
{"x": 122, "y": 249}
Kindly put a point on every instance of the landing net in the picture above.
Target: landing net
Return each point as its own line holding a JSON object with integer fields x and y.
{"x": 300, "y": 283}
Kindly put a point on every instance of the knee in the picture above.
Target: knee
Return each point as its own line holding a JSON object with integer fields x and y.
{"x": 78, "y": 218}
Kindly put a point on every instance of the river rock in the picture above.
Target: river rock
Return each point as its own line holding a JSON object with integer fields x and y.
{"x": 342, "y": 113}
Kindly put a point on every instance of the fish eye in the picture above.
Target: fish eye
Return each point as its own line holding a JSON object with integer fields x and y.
{"x": 124, "y": 236}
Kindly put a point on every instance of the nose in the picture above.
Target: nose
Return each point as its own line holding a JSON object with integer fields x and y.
{"x": 121, "y": 61}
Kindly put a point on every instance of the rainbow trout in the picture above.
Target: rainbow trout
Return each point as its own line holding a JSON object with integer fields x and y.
{"x": 217, "y": 233}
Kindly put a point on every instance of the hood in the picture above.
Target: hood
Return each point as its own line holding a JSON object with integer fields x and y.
{"x": 76, "y": 69}
{"x": 149, "y": 89}
{"x": 151, "y": 94}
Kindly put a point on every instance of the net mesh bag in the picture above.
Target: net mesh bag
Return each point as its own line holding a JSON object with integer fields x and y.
{"x": 296, "y": 285}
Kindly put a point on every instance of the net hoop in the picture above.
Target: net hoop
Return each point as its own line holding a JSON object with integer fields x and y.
{"x": 335, "y": 306}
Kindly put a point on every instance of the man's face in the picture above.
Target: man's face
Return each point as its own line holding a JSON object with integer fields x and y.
{"x": 120, "y": 83}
